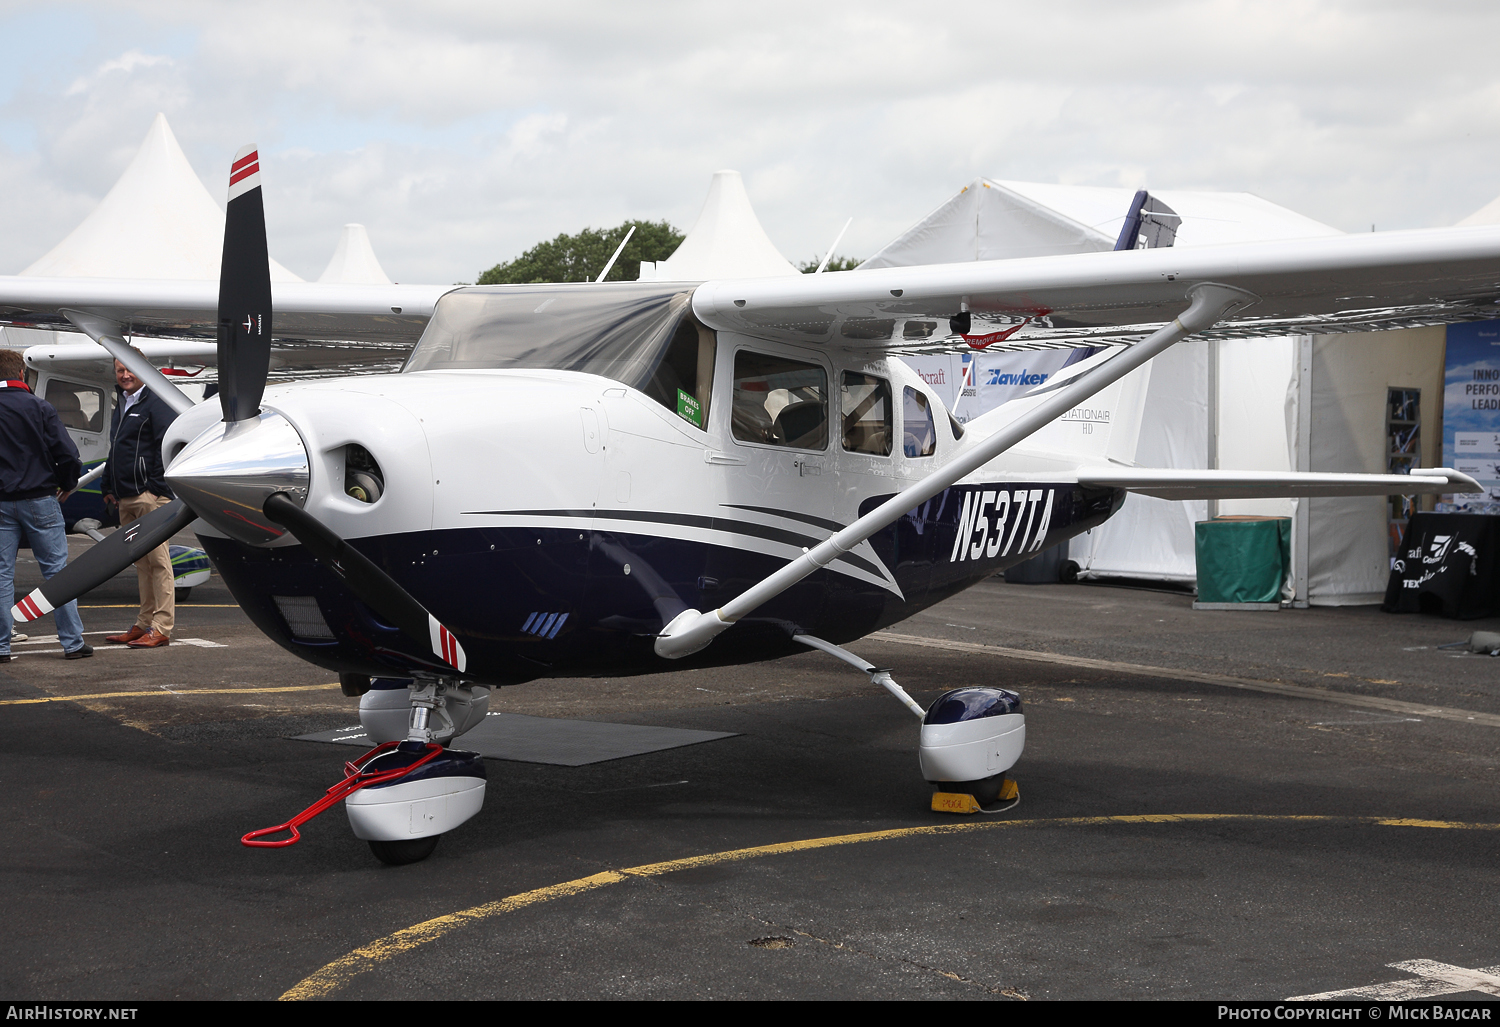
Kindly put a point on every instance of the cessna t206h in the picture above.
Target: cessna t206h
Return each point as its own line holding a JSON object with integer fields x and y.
{"x": 680, "y": 474}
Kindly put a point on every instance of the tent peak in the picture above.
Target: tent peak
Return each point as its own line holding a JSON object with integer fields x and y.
{"x": 1489, "y": 214}
{"x": 354, "y": 261}
{"x": 157, "y": 221}
{"x": 727, "y": 240}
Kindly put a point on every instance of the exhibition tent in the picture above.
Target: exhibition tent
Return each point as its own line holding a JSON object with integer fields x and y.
{"x": 1304, "y": 403}
{"x": 158, "y": 221}
{"x": 727, "y": 241}
{"x": 1489, "y": 214}
{"x": 354, "y": 261}
{"x": 995, "y": 220}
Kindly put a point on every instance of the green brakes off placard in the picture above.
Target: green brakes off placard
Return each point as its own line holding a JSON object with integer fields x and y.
{"x": 689, "y": 408}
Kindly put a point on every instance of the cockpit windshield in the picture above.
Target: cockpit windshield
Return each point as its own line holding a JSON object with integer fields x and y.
{"x": 620, "y": 330}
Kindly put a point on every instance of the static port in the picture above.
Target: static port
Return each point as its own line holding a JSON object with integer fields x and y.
{"x": 362, "y": 477}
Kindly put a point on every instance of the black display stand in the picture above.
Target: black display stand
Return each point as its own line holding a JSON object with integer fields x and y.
{"x": 1448, "y": 564}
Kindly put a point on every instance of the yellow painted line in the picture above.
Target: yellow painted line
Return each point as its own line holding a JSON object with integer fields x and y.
{"x": 368, "y": 957}
{"x": 1249, "y": 684}
{"x": 159, "y": 694}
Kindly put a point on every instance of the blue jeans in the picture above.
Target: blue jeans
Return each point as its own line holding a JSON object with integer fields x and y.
{"x": 41, "y": 521}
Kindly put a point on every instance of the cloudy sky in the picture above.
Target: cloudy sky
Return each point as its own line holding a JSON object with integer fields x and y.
{"x": 462, "y": 132}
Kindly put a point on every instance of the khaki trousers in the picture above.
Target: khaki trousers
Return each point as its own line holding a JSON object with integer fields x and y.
{"x": 153, "y": 571}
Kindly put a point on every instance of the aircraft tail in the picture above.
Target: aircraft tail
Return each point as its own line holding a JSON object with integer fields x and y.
{"x": 1149, "y": 224}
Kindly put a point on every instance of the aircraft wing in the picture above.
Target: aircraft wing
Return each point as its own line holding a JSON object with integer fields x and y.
{"x": 1302, "y": 286}
{"x": 299, "y": 360}
{"x": 1201, "y": 484}
{"x": 303, "y": 312}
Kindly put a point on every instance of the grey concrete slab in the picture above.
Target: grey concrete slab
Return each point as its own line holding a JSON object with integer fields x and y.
{"x": 1174, "y": 839}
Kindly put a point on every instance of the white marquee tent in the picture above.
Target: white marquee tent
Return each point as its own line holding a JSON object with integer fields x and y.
{"x": 157, "y": 222}
{"x": 1303, "y": 403}
{"x": 354, "y": 261}
{"x": 727, "y": 241}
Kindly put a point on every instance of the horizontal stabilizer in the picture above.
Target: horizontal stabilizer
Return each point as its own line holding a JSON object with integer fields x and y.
{"x": 1200, "y": 484}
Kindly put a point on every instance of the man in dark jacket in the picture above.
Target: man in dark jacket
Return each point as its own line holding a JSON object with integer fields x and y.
{"x": 137, "y": 481}
{"x": 37, "y": 460}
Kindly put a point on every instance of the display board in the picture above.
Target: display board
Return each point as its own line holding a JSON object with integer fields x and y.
{"x": 970, "y": 384}
{"x": 1471, "y": 413}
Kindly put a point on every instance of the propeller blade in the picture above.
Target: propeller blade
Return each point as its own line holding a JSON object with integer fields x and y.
{"x": 374, "y": 587}
{"x": 244, "y": 293}
{"x": 105, "y": 560}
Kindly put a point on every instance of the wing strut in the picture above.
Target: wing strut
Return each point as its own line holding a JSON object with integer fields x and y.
{"x": 109, "y": 334}
{"x": 878, "y": 675}
{"x": 691, "y": 630}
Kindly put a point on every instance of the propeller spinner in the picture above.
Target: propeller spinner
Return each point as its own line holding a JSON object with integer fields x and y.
{"x": 248, "y": 476}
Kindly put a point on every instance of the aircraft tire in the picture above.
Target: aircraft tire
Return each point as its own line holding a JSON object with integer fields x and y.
{"x": 182, "y": 594}
{"x": 412, "y": 850}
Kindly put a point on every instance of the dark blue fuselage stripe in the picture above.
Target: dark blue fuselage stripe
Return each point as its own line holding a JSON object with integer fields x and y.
{"x": 820, "y": 522}
{"x": 724, "y": 524}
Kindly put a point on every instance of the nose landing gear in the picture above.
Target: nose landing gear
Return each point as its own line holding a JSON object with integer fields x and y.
{"x": 406, "y": 793}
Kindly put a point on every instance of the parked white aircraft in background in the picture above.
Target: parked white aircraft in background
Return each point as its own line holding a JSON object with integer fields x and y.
{"x": 563, "y": 478}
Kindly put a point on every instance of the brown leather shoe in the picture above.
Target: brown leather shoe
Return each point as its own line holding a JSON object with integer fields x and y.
{"x": 135, "y": 632}
{"x": 150, "y": 640}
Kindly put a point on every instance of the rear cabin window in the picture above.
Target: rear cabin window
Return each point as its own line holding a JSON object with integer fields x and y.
{"x": 918, "y": 433}
{"x": 866, "y": 402}
{"x": 779, "y": 402}
{"x": 78, "y": 406}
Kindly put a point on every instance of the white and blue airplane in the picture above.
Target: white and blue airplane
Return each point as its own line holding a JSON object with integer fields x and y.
{"x": 627, "y": 478}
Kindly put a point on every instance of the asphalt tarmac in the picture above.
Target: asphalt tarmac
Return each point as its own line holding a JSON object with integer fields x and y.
{"x": 1220, "y": 806}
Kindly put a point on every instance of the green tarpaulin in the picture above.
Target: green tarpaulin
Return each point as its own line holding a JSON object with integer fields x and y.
{"x": 1243, "y": 559}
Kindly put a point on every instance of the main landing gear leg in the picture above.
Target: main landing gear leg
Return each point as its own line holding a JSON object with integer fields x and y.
{"x": 970, "y": 738}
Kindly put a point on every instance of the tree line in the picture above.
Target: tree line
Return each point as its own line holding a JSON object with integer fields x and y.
{"x": 581, "y": 256}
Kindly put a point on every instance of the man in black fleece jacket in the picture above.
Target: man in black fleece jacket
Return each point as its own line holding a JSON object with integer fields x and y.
{"x": 137, "y": 481}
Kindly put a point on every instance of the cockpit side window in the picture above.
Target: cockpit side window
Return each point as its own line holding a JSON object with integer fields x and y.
{"x": 685, "y": 377}
{"x": 918, "y": 433}
{"x": 867, "y": 414}
{"x": 779, "y": 402}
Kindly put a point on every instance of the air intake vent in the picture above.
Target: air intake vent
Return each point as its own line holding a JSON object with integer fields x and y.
{"x": 544, "y": 625}
{"x": 303, "y": 617}
{"x": 363, "y": 479}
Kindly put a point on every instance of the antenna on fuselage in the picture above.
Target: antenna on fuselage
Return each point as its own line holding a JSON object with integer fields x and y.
{"x": 618, "y": 250}
{"x": 836, "y": 240}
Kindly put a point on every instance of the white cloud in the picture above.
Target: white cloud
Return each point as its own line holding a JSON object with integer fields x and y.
{"x": 461, "y": 133}
{"x": 125, "y": 63}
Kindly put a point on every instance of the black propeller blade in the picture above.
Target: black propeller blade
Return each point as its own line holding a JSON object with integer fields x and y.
{"x": 374, "y": 587}
{"x": 244, "y": 360}
{"x": 105, "y": 560}
{"x": 244, "y": 293}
